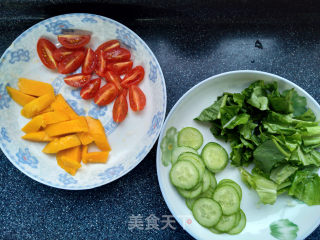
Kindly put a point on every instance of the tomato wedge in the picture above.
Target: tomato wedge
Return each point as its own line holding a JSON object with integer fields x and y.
{"x": 73, "y": 41}
{"x": 90, "y": 89}
{"x": 112, "y": 44}
{"x": 101, "y": 66}
{"x": 120, "y": 109}
{"x": 61, "y": 52}
{"x": 120, "y": 67}
{"x": 45, "y": 50}
{"x": 106, "y": 94}
{"x": 133, "y": 77}
{"x": 71, "y": 62}
{"x": 117, "y": 55}
{"x": 137, "y": 98}
{"x": 89, "y": 63}
{"x": 77, "y": 80}
{"x": 113, "y": 78}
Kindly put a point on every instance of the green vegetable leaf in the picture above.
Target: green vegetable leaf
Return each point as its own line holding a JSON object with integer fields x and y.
{"x": 305, "y": 186}
{"x": 266, "y": 189}
{"x": 237, "y": 120}
{"x": 213, "y": 112}
{"x": 284, "y": 229}
{"x": 282, "y": 173}
{"x": 268, "y": 155}
{"x": 259, "y": 99}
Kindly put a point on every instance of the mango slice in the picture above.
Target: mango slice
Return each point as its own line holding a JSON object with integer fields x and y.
{"x": 95, "y": 157}
{"x": 96, "y": 130}
{"x": 35, "y": 88}
{"x": 48, "y": 109}
{"x": 42, "y": 120}
{"x": 62, "y": 143}
{"x": 40, "y": 136}
{"x": 67, "y": 127}
{"x": 61, "y": 105}
{"x": 85, "y": 138}
{"x": 69, "y": 159}
{"x": 84, "y": 151}
{"x": 37, "y": 105}
{"x": 19, "y": 97}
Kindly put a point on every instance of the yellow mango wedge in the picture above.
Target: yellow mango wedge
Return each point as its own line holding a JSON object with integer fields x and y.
{"x": 84, "y": 151}
{"x": 67, "y": 127}
{"x": 96, "y": 130}
{"x": 37, "y": 105}
{"x": 19, "y": 97}
{"x": 62, "y": 143}
{"x": 69, "y": 159}
{"x": 95, "y": 157}
{"x": 40, "y": 136}
{"x": 34, "y": 88}
{"x": 61, "y": 105}
{"x": 42, "y": 120}
{"x": 85, "y": 138}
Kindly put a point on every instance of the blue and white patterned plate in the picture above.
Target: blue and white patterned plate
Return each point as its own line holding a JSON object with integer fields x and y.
{"x": 130, "y": 141}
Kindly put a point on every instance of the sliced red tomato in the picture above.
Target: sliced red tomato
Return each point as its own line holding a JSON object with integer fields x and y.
{"x": 62, "y": 52}
{"x": 77, "y": 80}
{"x": 120, "y": 67}
{"x": 45, "y": 50}
{"x": 106, "y": 94}
{"x": 124, "y": 91}
{"x": 89, "y": 63}
{"x": 106, "y": 46}
{"x": 117, "y": 55}
{"x": 113, "y": 78}
{"x": 90, "y": 89}
{"x": 74, "y": 41}
{"x": 71, "y": 62}
{"x": 120, "y": 109}
{"x": 133, "y": 77}
{"x": 101, "y": 66}
{"x": 137, "y": 98}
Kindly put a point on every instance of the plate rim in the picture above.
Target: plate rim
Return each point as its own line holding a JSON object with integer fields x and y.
{"x": 213, "y": 78}
{"x": 148, "y": 148}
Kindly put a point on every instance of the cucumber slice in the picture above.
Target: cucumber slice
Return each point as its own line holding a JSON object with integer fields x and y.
{"x": 190, "y": 137}
{"x": 206, "y": 194}
{"x": 227, "y": 196}
{"x": 215, "y": 231}
{"x": 195, "y": 159}
{"x": 215, "y": 157}
{"x": 226, "y": 223}
{"x": 233, "y": 184}
{"x": 207, "y": 212}
{"x": 213, "y": 180}
{"x": 184, "y": 175}
{"x": 238, "y": 217}
{"x": 206, "y": 181}
{"x": 193, "y": 193}
{"x": 178, "y": 150}
{"x": 241, "y": 225}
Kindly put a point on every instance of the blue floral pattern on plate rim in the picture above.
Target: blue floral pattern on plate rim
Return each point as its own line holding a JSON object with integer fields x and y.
{"x": 117, "y": 171}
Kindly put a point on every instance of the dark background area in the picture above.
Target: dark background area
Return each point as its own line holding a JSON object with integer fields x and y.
{"x": 192, "y": 41}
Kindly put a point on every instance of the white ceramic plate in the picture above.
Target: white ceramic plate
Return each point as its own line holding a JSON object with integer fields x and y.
{"x": 259, "y": 217}
{"x": 130, "y": 141}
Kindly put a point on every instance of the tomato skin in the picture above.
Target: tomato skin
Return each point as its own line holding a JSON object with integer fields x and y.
{"x": 112, "y": 44}
{"x": 120, "y": 67}
{"x": 113, "y": 78}
{"x": 101, "y": 66}
{"x": 62, "y": 52}
{"x": 74, "y": 41}
{"x": 133, "y": 77}
{"x": 120, "y": 109}
{"x": 117, "y": 55}
{"x": 71, "y": 62}
{"x": 90, "y": 89}
{"x": 77, "y": 80}
{"x": 137, "y": 98}
{"x": 45, "y": 50}
{"x": 106, "y": 94}
{"x": 89, "y": 63}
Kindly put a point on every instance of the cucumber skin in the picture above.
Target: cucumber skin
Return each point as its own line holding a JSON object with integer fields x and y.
{"x": 234, "y": 230}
